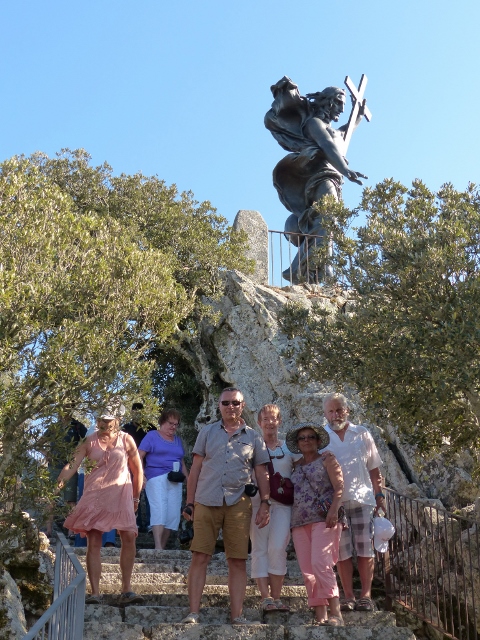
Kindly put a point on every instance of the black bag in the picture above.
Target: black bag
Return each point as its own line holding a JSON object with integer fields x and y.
{"x": 176, "y": 476}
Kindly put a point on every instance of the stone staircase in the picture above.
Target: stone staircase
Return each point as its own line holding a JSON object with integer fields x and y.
{"x": 160, "y": 576}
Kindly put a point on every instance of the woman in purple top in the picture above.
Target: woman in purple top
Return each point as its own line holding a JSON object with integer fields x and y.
{"x": 162, "y": 451}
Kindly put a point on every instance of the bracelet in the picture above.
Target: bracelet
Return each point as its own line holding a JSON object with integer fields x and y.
{"x": 190, "y": 504}
{"x": 136, "y": 499}
{"x": 379, "y": 495}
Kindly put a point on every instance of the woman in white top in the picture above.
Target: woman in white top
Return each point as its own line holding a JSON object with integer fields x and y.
{"x": 269, "y": 544}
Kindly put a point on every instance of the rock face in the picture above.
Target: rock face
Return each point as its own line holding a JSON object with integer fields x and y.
{"x": 255, "y": 226}
{"x": 247, "y": 348}
{"x": 13, "y": 625}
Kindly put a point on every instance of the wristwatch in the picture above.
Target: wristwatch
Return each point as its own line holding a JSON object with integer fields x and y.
{"x": 266, "y": 501}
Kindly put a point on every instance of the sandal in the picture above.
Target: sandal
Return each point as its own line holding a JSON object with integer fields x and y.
{"x": 94, "y": 600}
{"x": 280, "y": 606}
{"x": 334, "y": 621}
{"x": 130, "y": 597}
{"x": 268, "y": 604}
{"x": 347, "y": 604}
{"x": 364, "y": 604}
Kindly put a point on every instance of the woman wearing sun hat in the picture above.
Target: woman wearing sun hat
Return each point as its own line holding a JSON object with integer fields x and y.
{"x": 316, "y": 529}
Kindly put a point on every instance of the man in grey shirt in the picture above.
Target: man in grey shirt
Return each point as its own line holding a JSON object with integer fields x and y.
{"x": 225, "y": 454}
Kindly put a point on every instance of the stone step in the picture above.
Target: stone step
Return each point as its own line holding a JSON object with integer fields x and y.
{"x": 154, "y": 615}
{"x": 111, "y": 572}
{"x": 150, "y": 584}
{"x": 127, "y": 631}
{"x": 176, "y": 561}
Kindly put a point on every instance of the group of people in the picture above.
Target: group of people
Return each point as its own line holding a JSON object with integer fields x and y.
{"x": 337, "y": 490}
{"x": 111, "y": 495}
{"x": 335, "y": 471}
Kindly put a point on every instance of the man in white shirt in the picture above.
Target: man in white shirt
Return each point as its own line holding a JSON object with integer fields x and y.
{"x": 362, "y": 497}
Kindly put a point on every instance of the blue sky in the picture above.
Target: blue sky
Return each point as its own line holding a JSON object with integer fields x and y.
{"x": 180, "y": 89}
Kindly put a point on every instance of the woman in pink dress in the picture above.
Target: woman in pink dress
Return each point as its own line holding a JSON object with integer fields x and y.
{"x": 110, "y": 498}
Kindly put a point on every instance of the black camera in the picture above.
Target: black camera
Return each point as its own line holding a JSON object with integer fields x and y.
{"x": 186, "y": 533}
{"x": 251, "y": 489}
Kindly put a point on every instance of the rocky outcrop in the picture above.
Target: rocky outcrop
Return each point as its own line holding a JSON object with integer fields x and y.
{"x": 27, "y": 578}
{"x": 246, "y": 347}
{"x": 13, "y": 625}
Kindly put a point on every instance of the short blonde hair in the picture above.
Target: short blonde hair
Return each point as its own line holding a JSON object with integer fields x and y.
{"x": 334, "y": 396}
{"x": 273, "y": 408}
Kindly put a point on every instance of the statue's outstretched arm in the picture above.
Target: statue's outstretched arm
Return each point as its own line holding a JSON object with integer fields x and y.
{"x": 317, "y": 131}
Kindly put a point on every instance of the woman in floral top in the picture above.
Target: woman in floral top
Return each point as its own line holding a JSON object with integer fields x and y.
{"x": 316, "y": 529}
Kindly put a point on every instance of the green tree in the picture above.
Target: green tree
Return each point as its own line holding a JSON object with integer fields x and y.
{"x": 95, "y": 272}
{"x": 411, "y": 345}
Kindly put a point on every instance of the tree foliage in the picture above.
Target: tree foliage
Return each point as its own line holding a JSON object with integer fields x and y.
{"x": 412, "y": 344}
{"x": 95, "y": 271}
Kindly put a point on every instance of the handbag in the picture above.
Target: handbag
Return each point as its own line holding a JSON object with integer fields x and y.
{"x": 281, "y": 489}
{"x": 176, "y": 476}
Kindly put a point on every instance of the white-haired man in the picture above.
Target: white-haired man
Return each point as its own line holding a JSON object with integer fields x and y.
{"x": 362, "y": 497}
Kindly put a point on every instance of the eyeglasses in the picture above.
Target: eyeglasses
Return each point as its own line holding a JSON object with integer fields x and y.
{"x": 235, "y": 403}
{"x": 277, "y": 457}
{"x": 173, "y": 424}
{"x": 302, "y": 438}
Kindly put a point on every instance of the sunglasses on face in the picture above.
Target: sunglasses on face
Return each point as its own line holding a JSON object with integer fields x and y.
{"x": 235, "y": 403}
{"x": 303, "y": 438}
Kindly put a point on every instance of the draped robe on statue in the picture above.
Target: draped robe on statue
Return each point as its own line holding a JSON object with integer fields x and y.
{"x": 299, "y": 174}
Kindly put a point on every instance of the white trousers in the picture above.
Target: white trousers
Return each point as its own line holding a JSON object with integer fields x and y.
{"x": 270, "y": 543}
{"x": 165, "y": 500}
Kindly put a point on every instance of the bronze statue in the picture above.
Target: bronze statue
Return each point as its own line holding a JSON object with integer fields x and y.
{"x": 316, "y": 165}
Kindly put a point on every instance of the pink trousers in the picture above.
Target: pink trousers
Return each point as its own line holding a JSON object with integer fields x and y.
{"x": 317, "y": 553}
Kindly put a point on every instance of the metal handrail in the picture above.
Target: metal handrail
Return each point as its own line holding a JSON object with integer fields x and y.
{"x": 308, "y": 271}
{"x": 63, "y": 620}
{"x": 433, "y": 565}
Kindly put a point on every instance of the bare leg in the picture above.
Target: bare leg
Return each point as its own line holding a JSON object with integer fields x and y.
{"x": 263, "y": 587}
{"x": 276, "y": 584}
{"x": 237, "y": 585}
{"x": 158, "y": 530}
{"x": 197, "y": 575}
{"x": 165, "y": 536}
{"x": 127, "y": 559}
{"x": 366, "y": 568}
{"x": 345, "y": 571}
{"x": 93, "y": 560}
{"x": 334, "y": 604}
{"x": 321, "y": 612}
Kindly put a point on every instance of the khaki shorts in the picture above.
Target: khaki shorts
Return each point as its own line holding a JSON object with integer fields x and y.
{"x": 234, "y": 520}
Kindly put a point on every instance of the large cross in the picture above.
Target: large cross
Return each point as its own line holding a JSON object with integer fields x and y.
{"x": 358, "y": 99}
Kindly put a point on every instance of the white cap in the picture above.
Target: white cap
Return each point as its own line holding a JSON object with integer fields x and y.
{"x": 113, "y": 410}
{"x": 383, "y": 530}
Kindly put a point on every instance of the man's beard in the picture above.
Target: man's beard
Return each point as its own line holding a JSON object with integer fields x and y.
{"x": 338, "y": 427}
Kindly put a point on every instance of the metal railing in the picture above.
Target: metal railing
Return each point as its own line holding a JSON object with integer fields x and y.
{"x": 286, "y": 267}
{"x": 432, "y": 567}
{"x": 63, "y": 620}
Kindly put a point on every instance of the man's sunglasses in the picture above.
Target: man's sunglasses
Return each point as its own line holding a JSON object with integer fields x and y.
{"x": 235, "y": 403}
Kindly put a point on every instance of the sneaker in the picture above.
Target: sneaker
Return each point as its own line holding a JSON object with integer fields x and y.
{"x": 192, "y": 618}
{"x": 131, "y": 598}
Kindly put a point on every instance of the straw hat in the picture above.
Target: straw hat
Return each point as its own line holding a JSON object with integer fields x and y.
{"x": 291, "y": 437}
